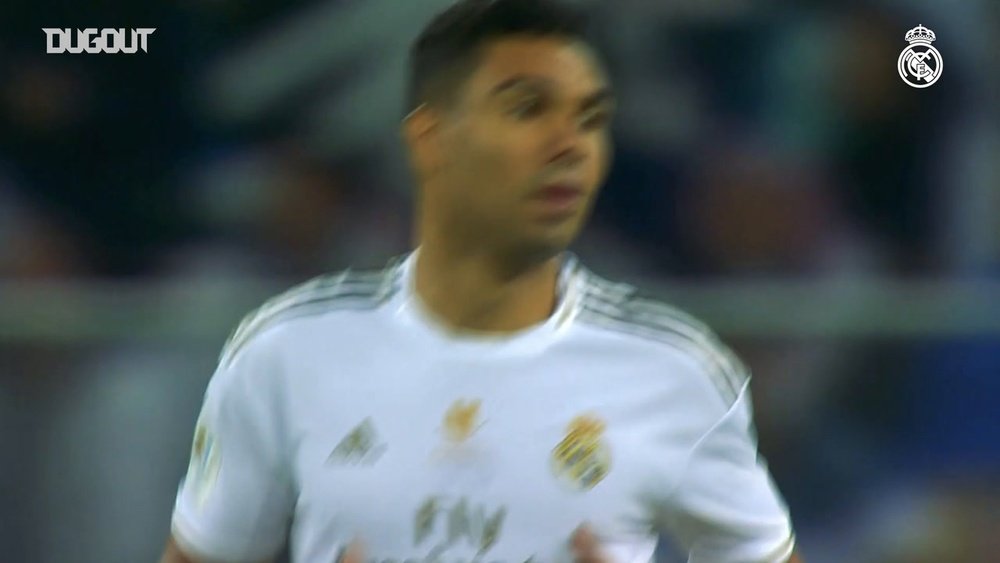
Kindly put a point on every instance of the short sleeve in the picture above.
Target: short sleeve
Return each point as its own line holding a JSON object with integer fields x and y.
{"x": 726, "y": 507}
{"x": 235, "y": 502}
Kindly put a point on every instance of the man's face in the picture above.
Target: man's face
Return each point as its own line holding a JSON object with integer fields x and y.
{"x": 527, "y": 147}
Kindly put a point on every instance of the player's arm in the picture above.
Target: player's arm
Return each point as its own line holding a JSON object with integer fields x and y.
{"x": 174, "y": 554}
{"x": 235, "y": 502}
{"x": 587, "y": 549}
{"x": 726, "y": 506}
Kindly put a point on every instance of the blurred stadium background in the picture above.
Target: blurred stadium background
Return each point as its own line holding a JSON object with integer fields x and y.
{"x": 773, "y": 175}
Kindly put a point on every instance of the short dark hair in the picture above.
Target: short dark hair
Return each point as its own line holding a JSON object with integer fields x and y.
{"x": 448, "y": 49}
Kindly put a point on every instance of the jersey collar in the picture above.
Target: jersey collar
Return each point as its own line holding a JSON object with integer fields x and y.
{"x": 410, "y": 311}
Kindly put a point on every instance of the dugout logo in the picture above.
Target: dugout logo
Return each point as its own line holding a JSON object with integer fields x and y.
{"x": 582, "y": 459}
{"x": 920, "y": 64}
{"x": 92, "y": 40}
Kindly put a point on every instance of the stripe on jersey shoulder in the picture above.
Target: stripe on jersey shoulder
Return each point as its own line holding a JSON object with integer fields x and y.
{"x": 348, "y": 289}
{"x": 622, "y": 307}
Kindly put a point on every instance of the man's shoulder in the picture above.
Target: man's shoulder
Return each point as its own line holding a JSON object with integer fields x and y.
{"x": 332, "y": 293}
{"x": 625, "y": 309}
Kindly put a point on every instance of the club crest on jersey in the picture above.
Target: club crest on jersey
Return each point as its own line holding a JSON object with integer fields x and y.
{"x": 583, "y": 458}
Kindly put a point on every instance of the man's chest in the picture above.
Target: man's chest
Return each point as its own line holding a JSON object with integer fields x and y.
{"x": 496, "y": 464}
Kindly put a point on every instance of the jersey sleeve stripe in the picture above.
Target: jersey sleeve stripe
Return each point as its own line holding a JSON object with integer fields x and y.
{"x": 344, "y": 290}
{"x": 618, "y": 307}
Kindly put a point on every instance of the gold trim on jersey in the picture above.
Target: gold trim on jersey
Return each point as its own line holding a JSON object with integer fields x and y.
{"x": 462, "y": 420}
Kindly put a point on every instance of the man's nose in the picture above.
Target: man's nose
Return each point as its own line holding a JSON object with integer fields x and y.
{"x": 567, "y": 146}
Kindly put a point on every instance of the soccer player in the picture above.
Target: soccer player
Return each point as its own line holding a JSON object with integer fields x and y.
{"x": 485, "y": 397}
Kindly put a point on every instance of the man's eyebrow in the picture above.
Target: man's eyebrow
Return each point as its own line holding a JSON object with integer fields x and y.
{"x": 604, "y": 94}
{"x": 518, "y": 81}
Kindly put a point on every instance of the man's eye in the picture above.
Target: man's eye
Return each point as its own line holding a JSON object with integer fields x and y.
{"x": 595, "y": 119}
{"x": 527, "y": 108}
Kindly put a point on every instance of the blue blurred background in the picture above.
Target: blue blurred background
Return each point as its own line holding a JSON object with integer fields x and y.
{"x": 773, "y": 175}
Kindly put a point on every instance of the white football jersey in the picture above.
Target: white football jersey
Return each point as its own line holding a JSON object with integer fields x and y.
{"x": 341, "y": 409}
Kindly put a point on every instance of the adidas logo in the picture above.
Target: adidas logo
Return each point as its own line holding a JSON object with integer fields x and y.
{"x": 359, "y": 446}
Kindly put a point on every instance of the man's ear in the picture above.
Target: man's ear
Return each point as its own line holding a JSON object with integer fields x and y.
{"x": 418, "y": 124}
{"x": 419, "y": 131}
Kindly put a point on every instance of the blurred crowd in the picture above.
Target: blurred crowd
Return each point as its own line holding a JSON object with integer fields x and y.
{"x": 759, "y": 141}
{"x": 753, "y": 142}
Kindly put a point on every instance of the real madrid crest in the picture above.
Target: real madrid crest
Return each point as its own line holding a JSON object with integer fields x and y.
{"x": 582, "y": 459}
{"x": 920, "y": 64}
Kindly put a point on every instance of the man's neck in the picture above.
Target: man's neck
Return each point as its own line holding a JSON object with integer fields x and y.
{"x": 478, "y": 292}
